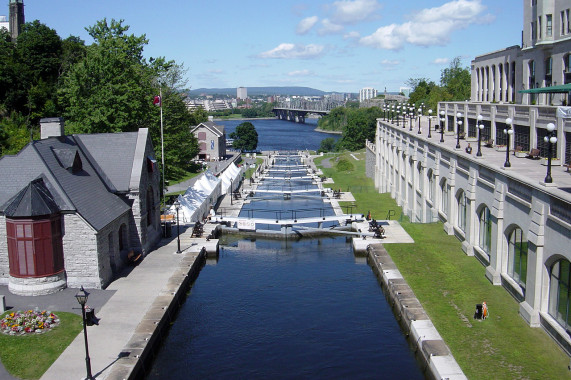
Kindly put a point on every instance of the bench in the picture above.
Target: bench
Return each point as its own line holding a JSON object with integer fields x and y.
{"x": 533, "y": 154}
{"x": 568, "y": 166}
{"x": 490, "y": 143}
{"x": 197, "y": 230}
{"x": 462, "y": 135}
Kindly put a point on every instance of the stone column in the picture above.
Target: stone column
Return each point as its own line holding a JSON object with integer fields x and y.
{"x": 498, "y": 243}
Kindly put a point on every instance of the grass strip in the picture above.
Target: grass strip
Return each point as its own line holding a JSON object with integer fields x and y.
{"x": 29, "y": 356}
{"x": 449, "y": 284}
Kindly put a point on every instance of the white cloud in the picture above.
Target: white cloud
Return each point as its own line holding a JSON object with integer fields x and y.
{"x": 353, "y": 11}
{"x": 300, "y": 73}
{"x": 215, "y": 71}
{"x": 306, "y": 24}
{"x": 328, "y": 27}
{"x": 428, "y": 27}
{"x": 292, "y": 51}
{"x": 351, "y": 35}
{"x": 387, "y": 62}
{"x": 441, "y": 61}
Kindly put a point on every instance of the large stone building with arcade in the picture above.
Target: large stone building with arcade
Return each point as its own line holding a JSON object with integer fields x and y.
{"x": 494, "y": 170}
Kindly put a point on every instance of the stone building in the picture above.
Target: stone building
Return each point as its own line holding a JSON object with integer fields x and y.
{"x": 497, "y": 200}
{"x": 73, "y": 207}
{"x": 211, "y": 140}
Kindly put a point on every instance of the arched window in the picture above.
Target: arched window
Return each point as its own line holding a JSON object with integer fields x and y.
{"x": 122, "y": 237}
{"x": 150, "y": 205}
{"x": 462, "y": 205}
{"x": 485, "y": 238}
{"x": 559, "y": 293}
{"x": 444, "y": 188}
{"x": 430, "y": 185}
{"x": 517, "y": 256}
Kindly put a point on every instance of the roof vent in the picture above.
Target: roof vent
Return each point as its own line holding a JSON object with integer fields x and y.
{"x": 69, "y": 159}
{"x": 51, "y": 127}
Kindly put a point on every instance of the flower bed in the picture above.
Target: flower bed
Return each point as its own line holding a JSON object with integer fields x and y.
{"x": 28, "y": 322}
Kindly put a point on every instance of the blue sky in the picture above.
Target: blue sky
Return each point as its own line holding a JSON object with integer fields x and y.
{"x": 329, "y": 45}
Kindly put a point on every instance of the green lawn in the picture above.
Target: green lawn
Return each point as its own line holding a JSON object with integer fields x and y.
{"x": 29, "y": 356}
{"x": 449, "y": 284}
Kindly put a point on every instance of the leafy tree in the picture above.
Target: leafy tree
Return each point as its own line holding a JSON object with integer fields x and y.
{"x": 327, "y": 145}
{"x": 456, "y": 80}
{"x": 109, "y": 90}
{"x": 245, "y": 137}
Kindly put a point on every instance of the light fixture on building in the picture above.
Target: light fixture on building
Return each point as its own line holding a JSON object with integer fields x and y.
{"x": 550, "y": 139}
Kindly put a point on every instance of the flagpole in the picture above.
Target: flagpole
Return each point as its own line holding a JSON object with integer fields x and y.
{"x": 162, "y": 146}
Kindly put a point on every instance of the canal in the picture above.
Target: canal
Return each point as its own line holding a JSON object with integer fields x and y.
{"x": 284, "y": 309}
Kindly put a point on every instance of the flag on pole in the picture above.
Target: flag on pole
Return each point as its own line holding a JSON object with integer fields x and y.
{"x": 157, "y": 101}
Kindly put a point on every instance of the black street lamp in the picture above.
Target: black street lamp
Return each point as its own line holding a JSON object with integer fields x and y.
{"x": 419, "y": 117}
{"x": 429, "y": 122}
{"x": 550, "y": 139}
{"x": 398, "y": 112}
{"x": 176, "y": 205}
{"x": 459, "y": 123}
{"x": 480, "y": 126}
{"x": 508, "y": 131}
{"x": 442, "y": 120}
{"x": 81, "y": 297}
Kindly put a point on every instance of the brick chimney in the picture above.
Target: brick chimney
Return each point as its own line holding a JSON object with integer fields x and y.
{"x": 51, "y": 127}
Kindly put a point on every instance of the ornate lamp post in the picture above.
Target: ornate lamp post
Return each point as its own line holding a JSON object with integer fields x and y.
{"x": 442, "y": 120}
{"x": 550, "y": 139}
{"x": 429, "y": 122}
{"x": 480, "y": 126}
{"x": 81, "y": 297}
{"x": 419, "y": 117}
{"x": 231, "y": 191}
{"x": 398, "y": 113}
{"x": 176, "y": 205}
{"x": 508, "y": 131}
{"x": 459, "y": 123}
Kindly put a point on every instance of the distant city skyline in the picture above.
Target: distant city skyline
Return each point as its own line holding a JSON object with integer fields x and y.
{"x": 327, "y": 45}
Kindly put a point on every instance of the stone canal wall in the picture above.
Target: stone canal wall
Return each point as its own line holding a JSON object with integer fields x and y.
{"x": 430, "y": 348}
{"x": 136, "y": 358}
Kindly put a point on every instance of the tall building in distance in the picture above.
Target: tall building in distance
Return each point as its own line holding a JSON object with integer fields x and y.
{"x": 16, "y": 17}
{"x": 367, "y": 93}
{"x": 242, "y": 93}
{"x": 4, "y": 23}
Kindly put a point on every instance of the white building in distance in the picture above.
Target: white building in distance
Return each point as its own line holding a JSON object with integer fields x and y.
{"x": 367, "y": 93}
{"x": 242, "y": 93}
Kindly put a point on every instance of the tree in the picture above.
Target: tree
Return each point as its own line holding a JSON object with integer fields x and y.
{"x": 245, "y": 137}
{"x": 456, "y": 80}
{"x": 109, "y": 90}
{"x": 327, "y": 145}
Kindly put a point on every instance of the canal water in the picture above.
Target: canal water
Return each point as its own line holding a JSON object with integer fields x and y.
{"x": 283, "y": 309}
{"x": 274, "y": 134}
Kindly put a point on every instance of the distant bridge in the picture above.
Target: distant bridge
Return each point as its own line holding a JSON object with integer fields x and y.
{"x": 297, "y": 109}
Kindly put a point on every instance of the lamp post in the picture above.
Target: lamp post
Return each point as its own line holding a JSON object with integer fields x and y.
{"x": 176, "y": 205}
{"x": 550, "y": 139}
{"x": 411, "y": 111}
{"x": 442, "y": 120}
{"x": 398, "y": 112}
{"x": 81, "y": 297}
{"x": 459, "y": 123}
{"x": 508, "y": 131}
{"x": 480, "y": 126}
{"x": 429, "y": 122}
{"x": 419, "y": 117}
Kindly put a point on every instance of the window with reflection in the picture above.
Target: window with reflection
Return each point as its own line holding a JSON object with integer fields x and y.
{"x": 517, "y": 256}
{"x": 485, "y": 236}
{"x": 444, "y": 204}
{"x": 462, "y": 205}
{"x": 559, "y": 294}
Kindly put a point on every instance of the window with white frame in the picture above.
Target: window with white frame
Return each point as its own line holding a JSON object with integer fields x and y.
{"x": 444, "y": 187}
{"x": 485, "y": 233}
{"x": 517, "y": 256}
{"x": 560, "y": 293}
{"x": 462, "y": 207}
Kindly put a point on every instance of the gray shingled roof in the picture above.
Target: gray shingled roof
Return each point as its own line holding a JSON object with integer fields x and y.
{"x": 113, "y": 154}
{"x": 83, "y": 190}
{"x": 216, "y": 128}
{"x": 33, "y": 200}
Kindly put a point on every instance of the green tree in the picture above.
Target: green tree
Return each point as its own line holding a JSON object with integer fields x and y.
{"x": 109, "y": 90}
{"x": 456, "y": 81}
{"x": 327, "y": 145}
{"x": 245, "y": 137}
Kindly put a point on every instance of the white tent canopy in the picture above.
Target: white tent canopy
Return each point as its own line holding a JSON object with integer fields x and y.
{"x": 196, "y": 201}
